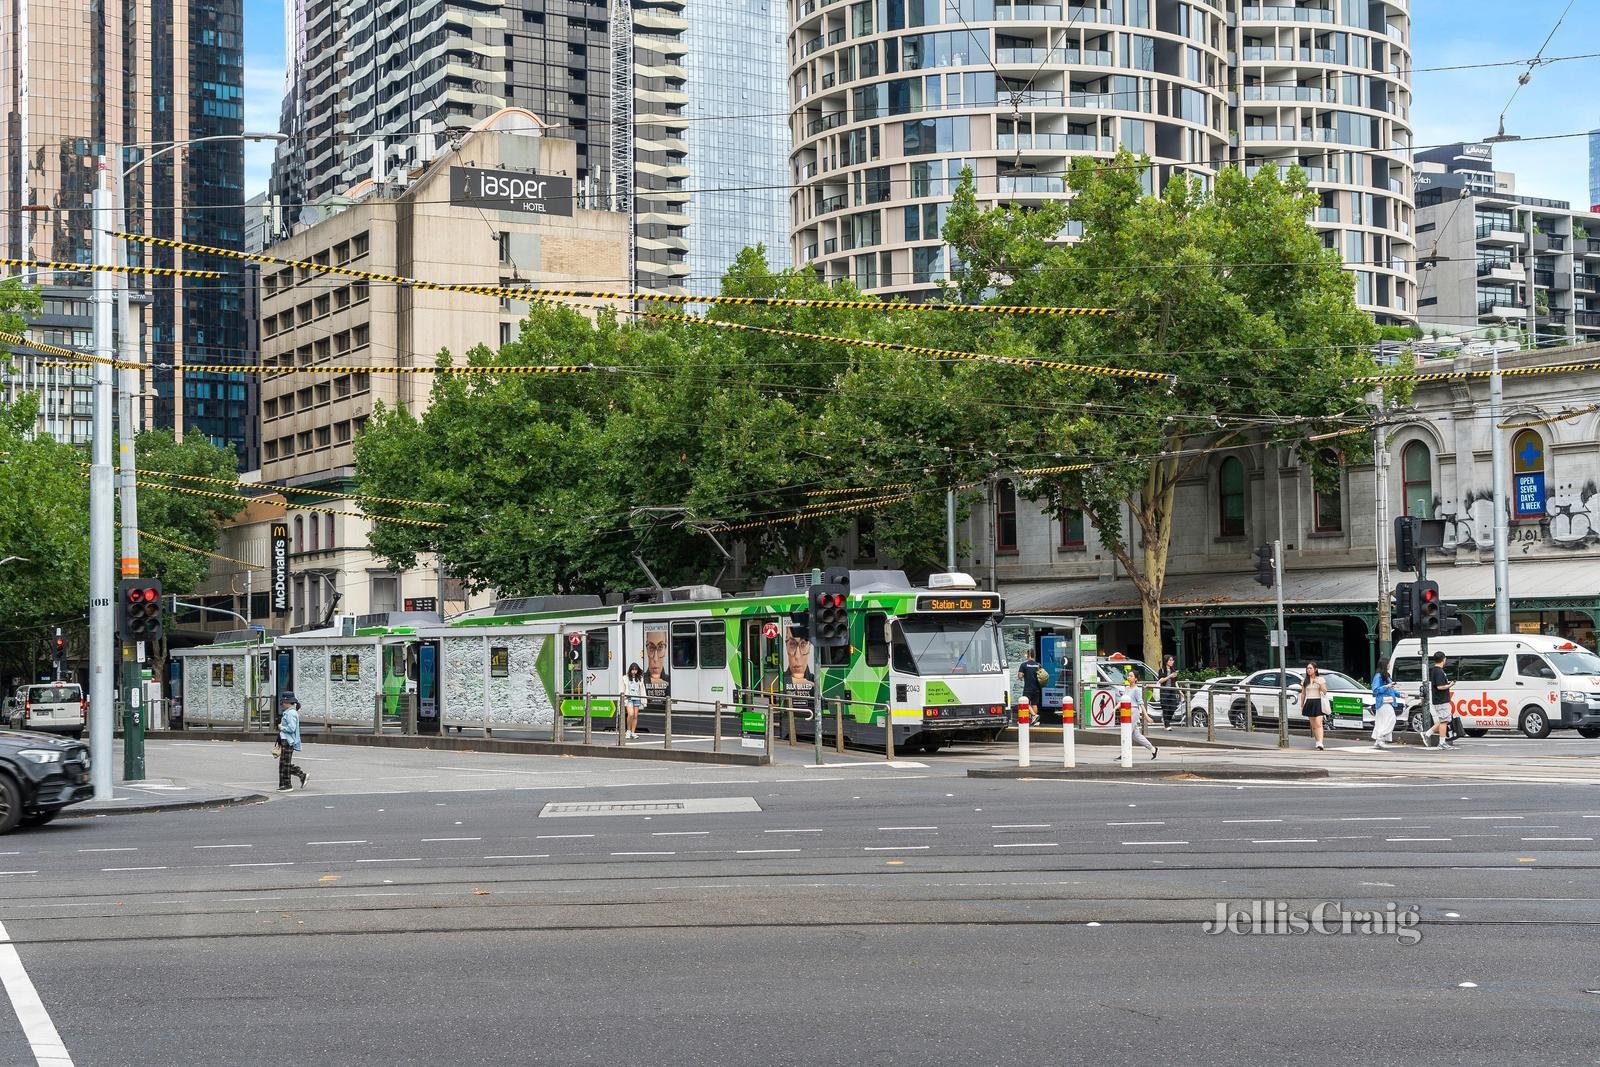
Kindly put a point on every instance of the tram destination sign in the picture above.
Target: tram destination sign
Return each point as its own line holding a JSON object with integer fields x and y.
{"x": 511, "y": 190}
{"x": 959, "y": 602}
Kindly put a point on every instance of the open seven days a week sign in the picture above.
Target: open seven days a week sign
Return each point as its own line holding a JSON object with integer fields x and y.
{"x": 511, "y": 190}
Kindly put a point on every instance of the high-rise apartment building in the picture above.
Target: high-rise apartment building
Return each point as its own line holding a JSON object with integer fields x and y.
{"x": 1594, "y": 170}
{"x": 891, "y": 99}
{"x": 139, "y": 75}
{"x": 369, "y": 82}
{"x": 738, "y": 143}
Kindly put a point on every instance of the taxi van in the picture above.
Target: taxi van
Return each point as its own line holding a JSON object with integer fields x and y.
{"x": 1532, "y": 683}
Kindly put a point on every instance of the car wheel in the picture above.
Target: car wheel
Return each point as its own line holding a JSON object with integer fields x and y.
{"x": 1236, "y": 714}
{"x": 1197, "y": 718}
{"x": 1533, "y": 723}
{"x": 1418, "y": 721}
{"x": 1587, "y": 731}
{"x": 39, "y": 818}
{"x": 10, "y": 804}
{"x": 1480, "y": 731}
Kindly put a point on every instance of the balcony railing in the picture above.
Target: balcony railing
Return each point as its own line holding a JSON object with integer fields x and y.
{"x": 1028, "y": 13}
{"x": 1287, "y": 14}
{"x": 811, "y": 46}
{"x": 826, "y": 122}
{"x": 1054, "y": 142}
{"x": 831, "y": 203}
{"x": 1289, "y": 92}
{"x": 835, "y": 36}
{"x": 1585, "y": 280}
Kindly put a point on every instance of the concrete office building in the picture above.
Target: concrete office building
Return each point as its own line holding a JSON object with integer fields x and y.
{"x": 432, "y": 225}
{"x": 892, "y": 98}
{"x": 738, "y": 144}
{"x": 369, "y": 81}
{"x": 72, "y": 81}
{"x": 1488, "y": 257}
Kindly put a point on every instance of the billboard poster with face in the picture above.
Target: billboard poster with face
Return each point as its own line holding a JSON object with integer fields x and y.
{"x": 795, "y": 679}
{"x": 657, "y": 681}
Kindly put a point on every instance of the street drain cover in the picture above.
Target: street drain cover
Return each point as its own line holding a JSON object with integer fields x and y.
{"x": 694, "y": 806}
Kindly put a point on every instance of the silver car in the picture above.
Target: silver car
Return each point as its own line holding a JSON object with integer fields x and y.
{"x": 1216, "y": 694}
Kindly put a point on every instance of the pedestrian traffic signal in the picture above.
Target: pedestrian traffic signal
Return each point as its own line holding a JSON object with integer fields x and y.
{"x": 1425, "y": 608}
{"x": 1449, "y": 619}
{"x": 1400, "y": 618}
{"x": 1405, "y": 543}
{"x": 829, "y": 624}
{"x": 1266, "y": 569}
{"x": 139, "y": 609}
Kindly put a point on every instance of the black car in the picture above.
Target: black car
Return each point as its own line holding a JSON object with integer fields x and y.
{"x": 39, "y": 775}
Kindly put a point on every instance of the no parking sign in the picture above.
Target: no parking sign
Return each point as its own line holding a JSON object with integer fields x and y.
{"x": 1103, "y": 711}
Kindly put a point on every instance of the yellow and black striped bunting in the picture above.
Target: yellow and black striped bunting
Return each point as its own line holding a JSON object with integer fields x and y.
{"x": 110, "y": 268}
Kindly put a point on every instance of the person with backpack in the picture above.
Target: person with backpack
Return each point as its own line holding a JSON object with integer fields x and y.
{"x": 1169, "y": 690}
{"x": 1033, "y": 676}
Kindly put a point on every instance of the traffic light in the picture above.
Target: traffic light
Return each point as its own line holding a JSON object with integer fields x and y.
{"x": 1425, "y": 608}
{"x": 1449, "y": 619}
{"x": 1400, "y": 603}
{"x": 1266, "y": 569}
{"x": 139, "y": 609}
{"x": 829, "y": 624}
{"x": 1405, "y": 543}
{"x": 58, "y": 654}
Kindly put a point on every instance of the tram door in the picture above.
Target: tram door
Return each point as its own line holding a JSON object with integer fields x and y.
{"x": 427, "y": 687}
{"x": 761, "y": 654}
{"x": 174, "y": 692}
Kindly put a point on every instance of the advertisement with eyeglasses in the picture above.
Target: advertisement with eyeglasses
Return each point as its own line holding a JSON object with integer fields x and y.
{"x": 657, "y": 681}
{"x": 795, "y": 680}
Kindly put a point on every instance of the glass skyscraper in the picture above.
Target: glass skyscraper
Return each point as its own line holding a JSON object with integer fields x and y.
{"x": 738, "y": 144}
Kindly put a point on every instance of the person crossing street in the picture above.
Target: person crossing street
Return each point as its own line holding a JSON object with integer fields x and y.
{"x": 288, "y": 742}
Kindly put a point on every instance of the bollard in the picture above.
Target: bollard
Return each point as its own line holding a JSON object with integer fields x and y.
{"x": 620, "y": 721}
{"x": 838, "y": 726}
{"x": 558, "y": 732}
{"x": 1211, "y": 714}
{"x": 716, "y": 727}
{"x": 788, "y": 712}
{"x": 1069, "y": 733}
{"x": 1024, "y": 723}
{"x": 1125, "y": 717}
{"x": 588, "y": 721}
{"x": 666, "y": 741}
{"x": 888, "y": 733}
{"x": 771, "y": 735}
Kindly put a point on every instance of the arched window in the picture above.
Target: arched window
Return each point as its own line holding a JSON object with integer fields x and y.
{"x": 299, "y": 542}
{"x": 1230, "y": 498}
{"x": 316, "y": 528}
{"x": 329, "y": 541}
{"x": 1416, "y": 480}
{"x": 1527, "y": 465}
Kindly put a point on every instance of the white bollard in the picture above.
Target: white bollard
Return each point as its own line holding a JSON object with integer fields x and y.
{"x": 1125, "y": 713}
{"x": 1024, "y": 721}
{"x": 1069, "y": 733}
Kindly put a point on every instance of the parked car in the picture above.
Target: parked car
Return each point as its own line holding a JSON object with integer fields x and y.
{"x": 49, "y": 707}
{"x": 1216, "y": 694}
{"x": 39, "y": 775}
{"x": 1351, "y": 702}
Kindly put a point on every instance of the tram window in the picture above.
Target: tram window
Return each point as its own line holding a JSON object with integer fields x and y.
{"x": 834, "y": 657}
{"x": 599, "y": 655}
{"x": 901, "y": 653}
{"x": 683, "y": 642}
{"x": 877, "y": 639}
{"x": 713, "y": 644}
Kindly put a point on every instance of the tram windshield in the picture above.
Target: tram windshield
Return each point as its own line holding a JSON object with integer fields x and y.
{"x": 949, "y": 644}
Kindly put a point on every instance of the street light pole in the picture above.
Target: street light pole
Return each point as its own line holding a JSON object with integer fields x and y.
{"x": 100, "y": 503}
{"x": 1502, "y": 520}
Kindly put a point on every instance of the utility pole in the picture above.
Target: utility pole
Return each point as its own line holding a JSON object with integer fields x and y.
{"x": 950, "y": 529}
{"x": 1502, "y": 520}
{"x": 101, "y": 665}
{"x": 1380, "y": 536}
{"x": 128, "y": 386}
{"x": 1281, "y": 637}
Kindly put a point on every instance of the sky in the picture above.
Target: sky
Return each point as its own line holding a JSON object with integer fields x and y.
{"x": 1447, "y": 106}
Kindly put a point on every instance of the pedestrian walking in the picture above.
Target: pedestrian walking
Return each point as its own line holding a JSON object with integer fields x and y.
{"x": 1314, "y": 700}
{"x": 1033, "y": 676}
{"x": 633, "y": 697}
{"x": 1385, "y": 709}
{"x": 1437, "y": 693}
{"x": 1167, "y": 680}
{"x": 1135, "y": 697}
{"x": 288, "y": 741}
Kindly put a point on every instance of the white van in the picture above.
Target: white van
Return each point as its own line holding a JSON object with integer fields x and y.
{"x": 48, "y": 707}
{"x": 1527, "y": 682}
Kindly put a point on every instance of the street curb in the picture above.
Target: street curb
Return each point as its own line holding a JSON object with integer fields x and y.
{"x": 1150, "y": 770}
{"x": 486, "y": 744}
{"x": 1111, "y": 737}
{"x": 151, "y": 808}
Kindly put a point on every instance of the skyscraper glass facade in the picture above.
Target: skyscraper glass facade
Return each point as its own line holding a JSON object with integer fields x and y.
{"x": 738, "y": 146}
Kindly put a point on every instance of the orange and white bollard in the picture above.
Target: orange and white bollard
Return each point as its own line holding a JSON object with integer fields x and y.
{"x": 1024, "y": 721}
{"x": 1069, "y": 733}
{"x": 1125, "y": 717}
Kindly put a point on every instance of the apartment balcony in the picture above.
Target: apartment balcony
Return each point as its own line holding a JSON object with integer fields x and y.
{"x": 1053, "y": 142}
{"x": 1290, "y": 92}
{"x": 1028, "y": 13}
{"x": 1587, "y": 282}
{"x": 1588, "y": 246}
{"x": 1493, "y": 309}
{"x": 1501, "y": 272}
{"x": 1287, "y": 14}
{"x": 1490, "y": 235}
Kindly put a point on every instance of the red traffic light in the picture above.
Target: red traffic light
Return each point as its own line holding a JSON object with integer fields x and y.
{"x": 1430, "y": 595}
{"x": 148, "y": 594}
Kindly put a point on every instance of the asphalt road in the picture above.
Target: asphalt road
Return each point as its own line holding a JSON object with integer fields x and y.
{"x": 849, "y": 918}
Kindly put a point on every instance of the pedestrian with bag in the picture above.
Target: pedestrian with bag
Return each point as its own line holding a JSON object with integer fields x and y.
{"x": 1135, "y": 697}
{"x": 1437, "y": 696}
{"x": 1385, "y": 709}
{"x": 1314, "y": 701}
{"x": 1033, "y": 676}
{"x": 1167, "y": 680}
{"x": 288, "y": 742}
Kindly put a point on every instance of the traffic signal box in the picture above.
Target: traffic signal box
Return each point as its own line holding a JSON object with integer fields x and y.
{"x": 1400, "y": 610}
{"x": 829, "y": 624}
{"x": 1425, "y": 607}
{"x": 139, "y": 609}
{"x": 1266, "y": 570}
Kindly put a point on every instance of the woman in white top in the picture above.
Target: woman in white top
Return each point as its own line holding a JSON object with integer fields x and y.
{"x": 1314, "y": 699}
{"x": 1135, "y": 697}
{"x": 633, "y": 697}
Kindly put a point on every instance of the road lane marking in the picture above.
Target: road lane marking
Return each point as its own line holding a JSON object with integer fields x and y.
{"x": 277, "y": 863}
{"x": 108, "y": 850}
{"x": 1558, "y": 839}
{"x": 537, "y": 856}
{"x": 233, "y": 846}
{"x": 1489, "y": 818}
{"x": 896, "y": 848}
{"x": 1250, "y": 820}
{"x": 682, "y": 833}
{"x": 112, "y": 870}
{"x": 1136, "y": 824}
{"x": 43, "y": 1038}
{"x": 1155, "y": 842}
{"x": 559, "y": 837}
{"x": 19, "y": 872}
{"x": 395, "y": 859}
{"x": 361, "y": 842}
{"x": 1284, "y": 841}
{"x": 758, "y": 851}
{"x": 1416, "y": 839}
{"x": 644, "y": 853}
{"x": 1371, "y": 818}
{"x": 1028, "y": 844}
{"x": 430, "y": 840}
{"x": 882, "y": 828}
{"x": 1020, "y": 826}
{"x": 794, "y": 831}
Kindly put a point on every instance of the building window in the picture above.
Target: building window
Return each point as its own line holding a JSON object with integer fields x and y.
{"x": 1230, "y": 498}
{"x": 1416, "y": 479}
{"x": 1005, "y": 516}
{"x": 1330, "y": 507}
{"x": 385, "y": 593}
{"x": 328, "y": 529}
{"x": 1527, "y": 465}
{"x": 1072, "y": 528}
{"x": 298, "y": 542}
{"x": 315, "y": 528}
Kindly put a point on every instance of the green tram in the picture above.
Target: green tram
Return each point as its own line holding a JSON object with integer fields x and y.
{"x": 926, "y": 661}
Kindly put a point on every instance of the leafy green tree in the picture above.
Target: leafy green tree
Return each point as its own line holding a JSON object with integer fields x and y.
{"x": 1227, "y": 293}
{"x": 182, "y": 517}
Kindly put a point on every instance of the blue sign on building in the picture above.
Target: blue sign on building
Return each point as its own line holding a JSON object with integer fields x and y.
{"x": 1530, "y": 494}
